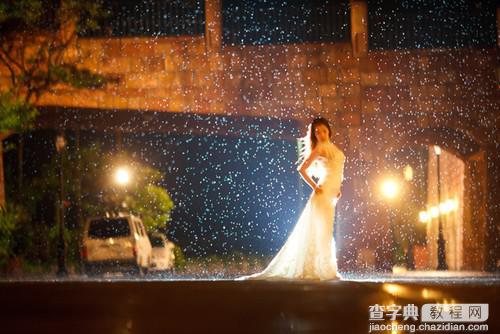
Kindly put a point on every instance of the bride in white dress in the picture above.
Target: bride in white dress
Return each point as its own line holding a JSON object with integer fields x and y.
{"x": 309, "y": 252}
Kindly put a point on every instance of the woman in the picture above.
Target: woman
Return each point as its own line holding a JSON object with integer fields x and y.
{"x": 309, "y": 252}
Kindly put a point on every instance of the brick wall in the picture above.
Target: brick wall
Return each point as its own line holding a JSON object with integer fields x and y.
{"x": 455, "y": 88}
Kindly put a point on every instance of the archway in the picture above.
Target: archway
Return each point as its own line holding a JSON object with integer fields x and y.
{"x": 463, "y": 197}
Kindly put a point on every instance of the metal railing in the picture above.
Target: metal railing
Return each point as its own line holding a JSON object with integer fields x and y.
{"x": 151, "y": 18}
{"x": 285, "y": 21}
{"x": 400, "y": 24}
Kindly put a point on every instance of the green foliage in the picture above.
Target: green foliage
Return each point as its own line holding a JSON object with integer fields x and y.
{"x": 153, "y": 204}
{"x": 36, "y": 267}
{"x": 31, "y": 241}
{"x": 10, "y": 215}
{"x": 29, "y": 15}
{"x": 27, "y": 11}
{"x": 54, "y": 237}
{"x": 79, "y": 78}
{"x": 15, "y": 114}
{"x": 149, "y": 200}
{"x": 71, "y": 239}
{"x": 180, "y": 259}
{"x": 90, "y": 13}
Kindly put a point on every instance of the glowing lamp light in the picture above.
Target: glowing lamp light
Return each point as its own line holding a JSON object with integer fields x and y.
{"x": 423, "y": 216}
{"x": 408, "y": 173}
{"x": 434, "y": 212}
{"x": 448, "y": 206}
{"x": 437, "y": 150}
{"x": 60, "y": 143}
{"x": 390, "y": 188}
{"x": 122, "y": 176}
{"x": 444, "y": 207}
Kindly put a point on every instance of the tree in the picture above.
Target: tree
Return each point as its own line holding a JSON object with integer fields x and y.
{"x": 144, "y": 196}
{"x": 9, "y": 216}
{"x": 35, "y": 37}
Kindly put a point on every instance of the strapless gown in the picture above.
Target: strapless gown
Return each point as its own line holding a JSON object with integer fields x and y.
{"x": 309, "y": 251}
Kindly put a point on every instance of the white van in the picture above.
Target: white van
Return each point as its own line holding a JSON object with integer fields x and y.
{"x": 163, "y": 253}
{"x": 119, "y": 242}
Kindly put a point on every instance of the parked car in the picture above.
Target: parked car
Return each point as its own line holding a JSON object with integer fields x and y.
{"x": 163, "y": 253}
{"x": 119, "y": 243}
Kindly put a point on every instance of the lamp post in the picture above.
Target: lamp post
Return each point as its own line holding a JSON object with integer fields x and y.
{"x": 441, "y": 250}
{"x": 122, "y": 178}
{"x": 61, "y": 246}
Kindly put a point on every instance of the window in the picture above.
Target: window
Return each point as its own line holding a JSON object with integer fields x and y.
{"x": 157, "y": 241}
{"x": 109, "y": 228}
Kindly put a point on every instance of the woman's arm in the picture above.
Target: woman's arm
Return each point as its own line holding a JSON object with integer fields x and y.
{"x": 304, "y": 165}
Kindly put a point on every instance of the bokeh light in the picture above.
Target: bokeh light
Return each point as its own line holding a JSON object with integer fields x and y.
{"x": 390, "y": 188}
{"x": 122, "y": 176}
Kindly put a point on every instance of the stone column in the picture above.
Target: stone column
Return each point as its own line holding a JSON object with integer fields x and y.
{"x": 359, "y": 27}
{"x": 213, "y": 25}
{"x": 213, "y": 46}
{"x": 492, "y": 239}
{"x": 498, "y": 26}
{"x": 475, "y": 215}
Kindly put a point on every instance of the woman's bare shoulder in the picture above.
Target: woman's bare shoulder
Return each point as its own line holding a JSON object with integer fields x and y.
{"x": 338, "y": 149}
{"x": 315, "y": 152}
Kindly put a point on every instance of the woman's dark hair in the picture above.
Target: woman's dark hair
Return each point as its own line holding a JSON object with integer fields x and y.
{"x": 309, "y": 141}
{"x": 314, "y": 124}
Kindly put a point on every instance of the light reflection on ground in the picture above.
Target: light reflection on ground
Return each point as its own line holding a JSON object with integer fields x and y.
{"x": 428, "y": 277}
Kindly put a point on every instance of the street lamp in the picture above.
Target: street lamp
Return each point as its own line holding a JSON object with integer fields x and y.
{"x": 122, "y": 176}
{"x": 390, "y": 188}
{"x": 408, "y": 173}
{"x": 441, "y": 250}
{"x": 61, "y": 246}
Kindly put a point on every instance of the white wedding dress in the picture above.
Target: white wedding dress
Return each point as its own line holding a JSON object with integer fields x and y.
{"x": 309, "y": 252}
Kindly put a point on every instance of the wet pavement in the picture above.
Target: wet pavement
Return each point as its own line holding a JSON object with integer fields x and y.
{"x": 117, "y": 305}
